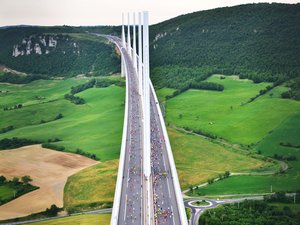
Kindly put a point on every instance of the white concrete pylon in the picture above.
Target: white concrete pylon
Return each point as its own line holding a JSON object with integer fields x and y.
{"x": 146, "y": 90}
{"x": 134, "y": 45}
{"x": 140, "y": 64}
{"x": 124, "y": 44}
{"x": 128, "y": 37}
{"x": 146, "y": 112}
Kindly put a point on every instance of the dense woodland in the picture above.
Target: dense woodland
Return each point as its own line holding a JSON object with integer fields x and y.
{"x": 249, "y": 213}
{"x": 94, "y": 56}
{"x": 256, "y": 41}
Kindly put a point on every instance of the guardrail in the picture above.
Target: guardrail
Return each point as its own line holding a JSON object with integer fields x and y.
{"x": 118, "y": 190}
{"x": 179, "y": 200}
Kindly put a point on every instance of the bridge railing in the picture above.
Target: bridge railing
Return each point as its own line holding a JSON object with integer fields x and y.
{"x": 179, "y": 200}
{"x": 118, "y": 190}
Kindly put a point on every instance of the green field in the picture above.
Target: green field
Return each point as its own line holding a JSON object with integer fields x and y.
{"x": 163, "y": 92}
{"x": 261, "y": 125}
{"x": 92, "y": 187}
{"x": 10, "y": 190}
{"x": 198, "y": 159}
{"x": 103, "y": 219}
{"x": 221, "y": 113}
{"x": 6, "y": 192}
{"x": 95, "y": 127}
{"x": 250, "y": 185}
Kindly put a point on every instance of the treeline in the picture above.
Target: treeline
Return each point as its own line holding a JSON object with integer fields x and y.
{"x": 294, "y": 92}
{"x": 288, "y": 144}
{"x": 249, "y": 213}
{"x": 106, "y": 82}
{"x": 15, "y": 142}
{"x": 235, "y": 40}
{"x": 18, "y": 79}
{"x": 20, "y": 186}
{"x": 6, "y": 129}
{"x": 282, "y": 197}
{"x": 262, "y": 92}
{"x": 57, "y": 117}
{"x": 82, "y": 87}
{"x": 63, "y": 149}
{"x": 200, "y": 132}
{"x": 74, "y": 99}
{"x": 17, "y": 106}
{"x": 287, "y": 158}
{"x": 206, "y": 86}
{"x": 79, "y": 88}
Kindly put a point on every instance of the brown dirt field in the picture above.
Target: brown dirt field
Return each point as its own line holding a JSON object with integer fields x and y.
{"x": 49, "y": 170}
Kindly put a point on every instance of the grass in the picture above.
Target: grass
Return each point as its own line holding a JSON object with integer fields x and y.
{"x": 163, "y": 92}
{"x": 286, "y": 132}
{"x": 249, "y": 185}
{"x": 6, "y": 192}
{"x": 261, "y": 125}
{"x": 27, "y": 94}
{"x": 10, "y": 191}
{"x": 91, "y": 186}
{"x": 222, "y": 114}
{"x": 94, "y": 219}
{"x": 197, "y": 159}
{"x": 95, "y": 127}
{"x": 201, "y": 203}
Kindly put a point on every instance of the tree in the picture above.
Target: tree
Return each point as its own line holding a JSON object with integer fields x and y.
{"x": 59, "y": 116}
{"x": 226, "y": 174}
{"x": 2, "y": 179}
{"x": 52, "y": 211}
{"x": 15, "y": 180}
{"x": 26, "y": 179}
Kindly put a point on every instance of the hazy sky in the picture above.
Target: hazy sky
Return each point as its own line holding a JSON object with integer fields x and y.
{"x": 102, "y": 12}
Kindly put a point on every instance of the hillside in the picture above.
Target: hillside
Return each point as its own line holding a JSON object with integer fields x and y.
{"x": 56, "y": 51}
{"x": 256, "y": 41}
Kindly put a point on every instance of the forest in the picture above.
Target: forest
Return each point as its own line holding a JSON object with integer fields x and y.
{"x": 90, "y": 56}
{"x": 255, "y": 41}
{"x": 250, "y": 212}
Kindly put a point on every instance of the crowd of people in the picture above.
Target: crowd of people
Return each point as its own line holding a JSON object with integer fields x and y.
{"x": 133, "y": 208}
{"x": 162, "y": 213}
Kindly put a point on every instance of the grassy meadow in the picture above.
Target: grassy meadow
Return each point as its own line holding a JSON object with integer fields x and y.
{"x": 227, "y": 115}
{"x": 261, "y": 125}
{"x": 198, "y": 159}
{"x": 95, "y": 127}
{"x": 93, "y": 219}
{"x": 6, "y": 192}
{"x": 92, "y": 185}
{"x": 250, "y": 185}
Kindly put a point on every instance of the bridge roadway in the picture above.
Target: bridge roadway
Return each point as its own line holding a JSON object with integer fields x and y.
{"x": 131, "y": 203}
{"x": 165, "y": 205}
{"x": 164, "y": 198}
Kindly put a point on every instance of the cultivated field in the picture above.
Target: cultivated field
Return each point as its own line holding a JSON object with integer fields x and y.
{"x": 198, "y": 159}
{"x": 93, "y": 187}
{"x": 49, "y": 170}
{"x": 97, "y": 219}
{"x": 95, "y": 127}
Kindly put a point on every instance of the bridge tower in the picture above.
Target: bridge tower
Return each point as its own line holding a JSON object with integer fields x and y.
{"x": 134, "y": 45}
{"x": 140, "y": 63}
{"x": 146, "y": 113}
{"x": 129, "y": 38}
{"x": 124, "y": 44}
